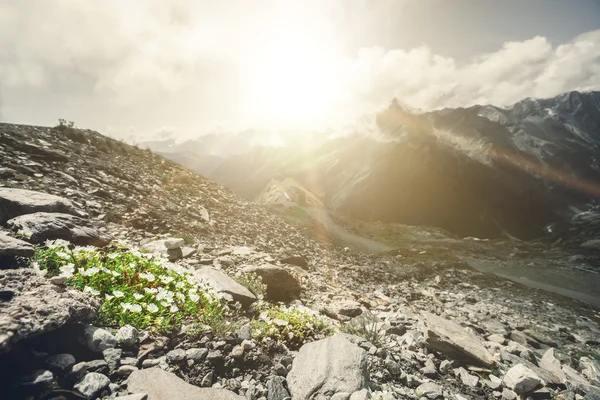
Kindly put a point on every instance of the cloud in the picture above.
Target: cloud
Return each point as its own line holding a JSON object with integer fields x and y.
{"x": 530, "y": 68}
{"x": 183, "y": 63}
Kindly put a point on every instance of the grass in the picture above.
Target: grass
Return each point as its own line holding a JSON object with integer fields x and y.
{"x": 253, "y": 283}
{"x": 142, "y": 290}
{"x": 368, "y": 330}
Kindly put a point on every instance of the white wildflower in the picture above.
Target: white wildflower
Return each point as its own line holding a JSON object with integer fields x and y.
{"x": 112, "y": 256}
{"x": 115, "y": 273}
{"x": 62, "y": 254}
{"x": 151, "y": 290}
{"x": 127, "y": 306}
{"x": 166, "y": 279}
{"x": 118, "y": 293}
{"x": 109, "y": 297}
{"x": 194, "y": 297}
{"x": 138, "y": 296}
{"x": 165, "y": 303}
{"x": 180, "y": 285}
{"x": 149, "y": 277}
{"x": 180, "y": 296}
{"x": 67, "y": 270}
{"x": 174, "y": 308}
{"x": 92, "y": 291}
{"x": 136, "y": 308}
{"x": 152, "y": 308}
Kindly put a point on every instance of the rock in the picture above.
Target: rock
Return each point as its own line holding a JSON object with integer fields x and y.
{"x": 127, "y": 337}
{"x": 174, "y": 243}
{"x": 125, "y": 370}
{"x": 467, "y": 379}
{"x": 38, "y": 306}
{"x": 40, "y": 378}
{"x": 244, "y": 332}
{"x": 215, "y": 356}
{"x": 276, "y": 390}
{"x": 97, "y": 339}
{"x": 590, "y": 369}
{"x": 11, "y": 247}
{"x": 550, "y": 364}
{"x": 508, "y": 394}
{"x": 92, "y": 384}
{"x": 494, "y": 382}
{"x": 456, "y": 342}
{"x": 280, "y": 370}
{"x": 40, "y": 226}
{"x": 298, "y": 261}
{"x": 429, "y": 369}
{"x": 60, "y": 362}
{"x": 16, "y": 202}
{"x": 207, "y": 380}
{"x": 155, "y": 246}
{"x": 348, "y": 308}
{"x": 281, "y": 284}
{"x": 223, "y": 283}
{"x": 160, "y": 385}
{"x": 196, "y": 354}
{"x": 136, "y": 396}
{"x": 112, "y": 357}
{"x": 174, "y": 254}
{"x": 445, "y": 366}
{"x": 331, "y": 365}
{"x": 496, "y": 338}
{"x": 361, "y": 395}
{"x": 341, "y": 396}
{"x": 429, "y": 390}
{"x": 521, "y": 379}
{"x": 176, "y": 356}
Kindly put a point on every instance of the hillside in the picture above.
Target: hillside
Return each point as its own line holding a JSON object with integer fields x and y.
{"x": 164, "y": 284}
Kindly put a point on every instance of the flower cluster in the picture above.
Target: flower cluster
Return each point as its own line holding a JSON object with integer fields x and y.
{"x": 291, "y": 325}
{"x": 139, "y": 289}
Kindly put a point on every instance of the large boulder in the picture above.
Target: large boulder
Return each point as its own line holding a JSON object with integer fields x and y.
{"x": 455, "y": 341}
{"x": 550, "y": 364}
{"x": 15, "y": 202}
{"x": 223, "y": 283}
{"x": 281, "y": 284}
{"x": 38, "y": 306}
{"x": 12, "y": 251}
{"x": 333, "y": 365}
{"x": 161, "y": 385}
{"x": 42, "y": 226}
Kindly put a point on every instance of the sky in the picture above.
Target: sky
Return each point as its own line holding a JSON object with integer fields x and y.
{"x": 139, "y": 69}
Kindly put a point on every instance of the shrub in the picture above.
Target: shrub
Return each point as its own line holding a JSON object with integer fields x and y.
{"x": 142, "y": 290}
{"x": 368, "y": 330}
{"x": 292, "y": 326}
{"x": 253, "y": 283}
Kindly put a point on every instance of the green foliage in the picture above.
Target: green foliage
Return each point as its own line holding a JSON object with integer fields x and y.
{"x": 368, "y": 330}
{"x": 142, "y": 290}
{"x": 292, "y": 326}
{"x": 64, "y": 124}
{"x": 253, "y": 283}
{"x": 67, "y": 128}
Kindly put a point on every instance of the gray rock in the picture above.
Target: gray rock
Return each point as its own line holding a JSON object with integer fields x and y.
{"x": 176, "y": 356}
{"x": 550, "y": 364}
{"x": 341, "y": 396}
{"x": 429, "y": 369}
{"x": 214, "y": 356}
{"x": 281, "y": 284}
{"x": 361, "y": 395}
{"x": 127, "y": 336}
{"x": 445, "y": 366}
{"x": 429, "y": 390}
{"x": 174, "y": 243}
{"x": 223, "y": 283}
{"x": 40, "y": 226}
{"x": 92, "y": 384}
{"x": 392, "y": 367}
{"x": 195, "y": 354}
{"x": 174, "y": 254}
{"x": 280, "y": 370}
{"x": 112, "y": 357}
{"x": 12, "y": 247}
{"x": 590, "y": 369}
{"x": 467, "y": 379}
{"x": 276, "y": 390}
{"x": 456, "y": 342}
{"x": 331, "y": 365}
{"x": 40, "y": 379}
{"x": 97, "y": 339}
{"x": 60, "y": 362}
{"x": 136, "y": 396}
{"x": 208, "y": 379}
{"x": 125, "y": 370}
{"x": 16, "y": 202}
{"x": 38, "y": 306}
{"x": 244, "y": 332}
{"x": 508, "y": 394}
{"x": 155, "y": 246}
{"x": 521, "y": 379}
{"x": 160, "y": 385}
{"x": 298, "y": 261}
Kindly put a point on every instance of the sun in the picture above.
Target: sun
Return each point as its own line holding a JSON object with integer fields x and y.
{"x": 293, "y": 81}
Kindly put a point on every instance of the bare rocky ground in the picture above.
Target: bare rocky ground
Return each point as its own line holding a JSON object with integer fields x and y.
{"x": 433, "y": 326}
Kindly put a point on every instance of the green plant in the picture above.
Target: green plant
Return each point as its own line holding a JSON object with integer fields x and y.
{"x": 253, "y": 283}
{"x": 292, "y": 326}
{"x": 142, "y": 290}
{"x": 368, "y": 330}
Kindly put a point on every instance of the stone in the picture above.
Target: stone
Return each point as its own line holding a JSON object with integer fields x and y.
{"x": 174, "y": 254}
{"x": 223, "y": 283}
{"x": 16, "y": 202}
{"x": 496, "y": 338}
{"x": 494, "y": 382}
{"x": 160, "y": 385}
{"x": 11, "y": 247}
{"x": 38, "y": 306}
{"x": 207, "y": 380}
{"x": 92, "y": 384}
{"x": 590, "y": 369}
{"x": 176, "y": 356}
{"x": 341, "y": 396}
{"x": 429, "y": 369}
{"x": 155, "y": 246}
{"x": 361, "y": 395}
{"x": 125, "y": 370}
{"x": 127, "y": 337}
{"x": 97, "y": 339}
{"x": 445, "y": 366}
{"x": 135, "y": 396}
{"x": 174, "y": 243}
{"x": 467, "y": 379}
{"x": 429, "y": 390}
{"x": 40, "y": 226}
{"x": 112, "y": 356}
{"x": 298, "y": 261}
{"x": 508, "y": 394}
{"x": 244, "y": 332}
{"x": 348, "y": 308}
{"x": 550, "y": 364}
{"x": 215, "y": 356}
{"x": 40, "y": 378}
{"x": 331, "y": 365}
{"x": 60, "y": 362}
{"x": 521, "y": 379}
{"x": 281, "y": 284}
{"x": 276, "y": 390}
{"x": 280, "y": 370}
{"x": 456, "y": 342}
{"x": 196, "y": 354}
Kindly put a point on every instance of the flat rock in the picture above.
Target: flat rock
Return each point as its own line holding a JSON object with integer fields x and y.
{"x": 10, "y": 246}
{"x": 160, "y": 385}
{"x": 223, "y": 283}
{"x": 16, "y": 202}
{"x": 550, "y": 364}
{"x": 281, "y": 284}
{"x": 331, "y": 365}
{"x": 39, "y": 306}
{"x": 455, "y": 341}
{"x": 41, "y": 226}
{"x": 92, "y": 384}
{"x": 521, "y": 379}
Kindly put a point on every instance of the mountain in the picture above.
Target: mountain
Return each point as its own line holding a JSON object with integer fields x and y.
{"x": 524, "y": 171}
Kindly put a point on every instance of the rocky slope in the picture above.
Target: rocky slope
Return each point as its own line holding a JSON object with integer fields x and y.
{"x": 423, "y": 324}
